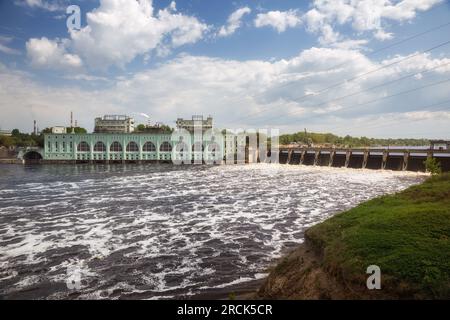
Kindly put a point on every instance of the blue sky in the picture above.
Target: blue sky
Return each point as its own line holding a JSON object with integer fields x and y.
{"x": 250, "y": 64}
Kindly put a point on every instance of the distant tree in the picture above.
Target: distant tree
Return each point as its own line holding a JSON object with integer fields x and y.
{"x": 46, "y": 130}
{"x": 15, "y": 132}
{"x": 6, "y": 141}
{"x": 432, "y": 166}
{"x": 166, "y": 128}
{"x": 140, "y": 127}
{"x": 78, "y": 130}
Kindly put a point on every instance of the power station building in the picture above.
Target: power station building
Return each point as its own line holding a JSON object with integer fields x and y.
{"x": 114, "y": 140}
{"x": 114, "y": 124}
{"x": 197, "y": 122}
{"x": 101, "y": 147}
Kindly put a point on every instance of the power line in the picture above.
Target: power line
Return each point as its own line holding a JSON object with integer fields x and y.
{"x": 382, "y": 98}
{"x": 415, "y": 36}
{"x": 416, "y": 108}
{"x": 361, "y": 75}
{"x": 377, "y": 86}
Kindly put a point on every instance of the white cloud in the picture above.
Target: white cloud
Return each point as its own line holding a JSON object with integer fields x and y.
{"x": 383, "y": 35}
{"x": 184, "y": 29}
{"x": 233, "y": 22}
{"x": 280, "y": 20}
{"x": 120, "y": 30}
{"x": 45, "y": 53}
{"x": 268, "y": 91}
{"x": 361, "y": 15}
{"x": 54, "y": 5}
{"x": 4, "y": 41}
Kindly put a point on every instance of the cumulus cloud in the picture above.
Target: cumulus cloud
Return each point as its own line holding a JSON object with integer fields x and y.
{"x": 55, "y": 5}
{"x": 252, "y": 93}
{"x": 233, "y": 22}
{"x": 4, "y": 41}
{"x": 51, "y": 54}
{"x": 120, "y": 30}
{"x": 361, "y": 15}
{"x": 280, "y": 20}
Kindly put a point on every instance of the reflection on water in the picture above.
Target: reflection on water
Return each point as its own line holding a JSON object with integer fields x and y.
{"x": 149, "y": 231}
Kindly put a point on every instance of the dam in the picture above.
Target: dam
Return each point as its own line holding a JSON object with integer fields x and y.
{"x": 364, "y": 158}
{"x": 215, "y": 149}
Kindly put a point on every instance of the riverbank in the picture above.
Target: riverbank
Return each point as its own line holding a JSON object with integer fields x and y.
{"x": 406, "y": 234}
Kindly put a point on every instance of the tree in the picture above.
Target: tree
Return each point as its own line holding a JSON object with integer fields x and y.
{"x": 6, "y": 141}
{"x": 166, "y": 128}
{"x": 432, "y": 166}
{"x": 140, "y": 127}
{"x": 15, "y": 132}
{"x": 78, "y": 130}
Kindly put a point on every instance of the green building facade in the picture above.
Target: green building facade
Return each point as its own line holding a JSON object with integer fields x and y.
{"x": 122, "y": 147}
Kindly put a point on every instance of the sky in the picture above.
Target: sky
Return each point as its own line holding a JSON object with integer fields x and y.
{"x": 375, "y": 68}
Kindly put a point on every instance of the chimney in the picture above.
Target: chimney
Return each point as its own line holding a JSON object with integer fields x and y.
{"x": 71, "y": 119}
{"x": 34, "y": 127}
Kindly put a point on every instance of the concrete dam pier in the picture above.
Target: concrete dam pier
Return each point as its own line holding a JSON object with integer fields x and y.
{"x": 388, "y": 159}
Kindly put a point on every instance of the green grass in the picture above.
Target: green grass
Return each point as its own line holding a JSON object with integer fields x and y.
{"x": 406, "y": 234}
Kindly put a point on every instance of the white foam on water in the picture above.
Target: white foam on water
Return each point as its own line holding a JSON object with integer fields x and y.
{"x": 183, "y": 222}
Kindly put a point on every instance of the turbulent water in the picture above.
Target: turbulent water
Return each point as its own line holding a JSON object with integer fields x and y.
{"x": 162, "y": 231}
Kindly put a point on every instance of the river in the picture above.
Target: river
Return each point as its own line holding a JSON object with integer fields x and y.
{"x": 162, "y": 231}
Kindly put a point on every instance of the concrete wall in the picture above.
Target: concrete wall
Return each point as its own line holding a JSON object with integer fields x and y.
{"x": 324, "y": 159}
{"x": 389, "y": 159}
{"x": 374, "y": 162}
{"x": 356, "y": 161}
{"x": 339, "y": 160}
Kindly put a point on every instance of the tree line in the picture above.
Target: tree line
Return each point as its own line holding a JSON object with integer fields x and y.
{"x": 20, "y": 139}
{"x": 347, "y": 141}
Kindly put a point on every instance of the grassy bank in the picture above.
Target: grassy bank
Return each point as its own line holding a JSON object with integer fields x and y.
{"x": 406, "y": 234}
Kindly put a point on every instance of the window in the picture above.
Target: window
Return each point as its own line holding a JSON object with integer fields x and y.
{"x": 213, "y": 148}
{"x": 132, "y": 147}
{"x": 149, "y": 147}
{"x": 115, "y": 147}
{"x": 165, "y": 147}
{"x": 83, "y": 147}
{"x": 99, "y": 147}
{"x": 182, "y": 147}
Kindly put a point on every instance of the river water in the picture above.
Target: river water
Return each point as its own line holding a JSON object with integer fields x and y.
{"x": 163, "y": 231}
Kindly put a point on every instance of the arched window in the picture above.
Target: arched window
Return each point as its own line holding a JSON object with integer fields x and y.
{"x": 83, "y": 146}
{"x": 132, "y": 147}
{"x": 99, "y": 147}
{"x": 165, "y": 147}
{"x": 213, "y": 148}
{"x": 149, "y": 147}
{"x": 198, "y": 146}
{"x": 115, "y": 147}
{"x": 181, "y": 147}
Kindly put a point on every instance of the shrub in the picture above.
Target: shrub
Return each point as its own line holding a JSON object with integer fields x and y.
{"x": 433, "y": 166}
